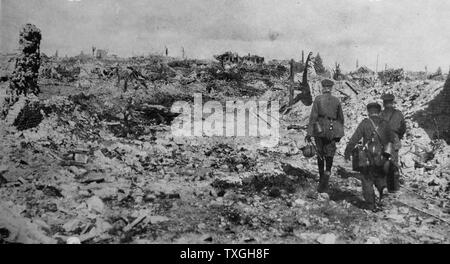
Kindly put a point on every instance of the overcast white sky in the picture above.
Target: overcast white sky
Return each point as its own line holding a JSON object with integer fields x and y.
{"x": 406, "y": 33}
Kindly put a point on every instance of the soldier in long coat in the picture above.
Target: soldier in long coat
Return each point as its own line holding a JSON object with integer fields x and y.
{"x": 326, "y": 125}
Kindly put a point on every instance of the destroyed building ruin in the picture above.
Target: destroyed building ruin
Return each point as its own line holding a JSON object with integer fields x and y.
{"x": 20, "y": 107}
{"x": 234, "y": 58}
{"x": 82, "y": 57}
{"x": 392, "y": 75}
{"x": 364, "y": 76}
{"x": 101, "y": 54}
{"x": 227, "y": 57}
{"x": 252, "y": 59}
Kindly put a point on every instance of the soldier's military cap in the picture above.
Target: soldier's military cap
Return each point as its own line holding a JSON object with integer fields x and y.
{"x": 376, "y": 106}
{"x": 327, "y": 83}
{"x": 388, "y": 97}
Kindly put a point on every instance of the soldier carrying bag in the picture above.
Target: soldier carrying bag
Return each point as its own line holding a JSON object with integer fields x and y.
{"x": 373, "y": 153}
{"x": 381, "y": 154}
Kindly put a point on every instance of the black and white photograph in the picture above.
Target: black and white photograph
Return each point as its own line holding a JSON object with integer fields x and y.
{"x": 224, "y": 122}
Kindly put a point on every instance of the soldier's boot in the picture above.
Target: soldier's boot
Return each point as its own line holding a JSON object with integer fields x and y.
{"x": 321, "y": 167}
{"x": 397, "y": 180}
{"x": 380, "y": 184}
{"x": 323, "y": 182}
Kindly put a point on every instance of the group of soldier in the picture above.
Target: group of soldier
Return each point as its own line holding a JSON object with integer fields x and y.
{"x": 384, "y": 126}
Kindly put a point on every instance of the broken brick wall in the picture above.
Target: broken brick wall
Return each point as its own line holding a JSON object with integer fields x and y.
{"x": 25, "y": 113}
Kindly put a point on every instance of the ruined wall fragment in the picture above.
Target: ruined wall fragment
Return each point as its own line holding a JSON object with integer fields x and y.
{"x": 26, "y": 72}
{"x": 24, "y": 79}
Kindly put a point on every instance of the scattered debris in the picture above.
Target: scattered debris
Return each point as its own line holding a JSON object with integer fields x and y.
{"x": 17, "y": 229}
{"x": 136, "y": 221}
{"x": 95, "y": 204}
{"x": 93, "y": 160}
{"x": 73, "y": 240}
{"x": 373, "y": 240}
{"x": 327, "y": 239}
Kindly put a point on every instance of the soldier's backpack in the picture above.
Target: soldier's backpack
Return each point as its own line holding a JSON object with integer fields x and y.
{"x": 375, "y": 149}
{"x": 360, "y": 160}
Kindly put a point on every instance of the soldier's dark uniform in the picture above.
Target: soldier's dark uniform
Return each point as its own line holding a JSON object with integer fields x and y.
{"x": 397, "y": 122}
{"x": 372, "y": 175}
{"x": 327, "y": 111}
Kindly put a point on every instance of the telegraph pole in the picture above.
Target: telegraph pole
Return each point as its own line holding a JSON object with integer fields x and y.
{"x": 378, "y": 57}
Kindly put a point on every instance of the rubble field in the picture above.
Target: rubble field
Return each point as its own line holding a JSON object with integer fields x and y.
{"x": 92, "y": 160}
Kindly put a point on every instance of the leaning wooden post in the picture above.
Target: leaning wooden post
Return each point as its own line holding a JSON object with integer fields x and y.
{"x": 291, "y": 83}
